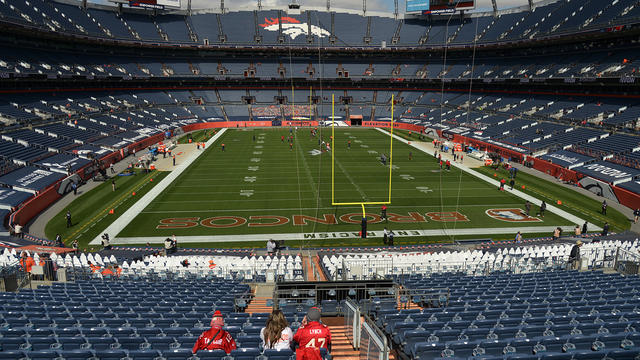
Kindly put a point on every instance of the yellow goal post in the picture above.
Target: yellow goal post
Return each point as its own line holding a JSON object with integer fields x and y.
{"x": 333, "y": 148}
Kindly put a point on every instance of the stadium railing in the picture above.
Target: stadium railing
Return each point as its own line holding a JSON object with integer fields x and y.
{"x": 626, "y": 262}
{"x": 373, "y": 342}
{"x": 593, "y": 259}
{"x": 373, "y": 269}
{"x": 13, "y": 277}
{"x": 352, "y": 315}
{"x": 241, "y": 301}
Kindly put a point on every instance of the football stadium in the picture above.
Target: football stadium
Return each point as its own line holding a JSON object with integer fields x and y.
{"x": 249, "y": 180}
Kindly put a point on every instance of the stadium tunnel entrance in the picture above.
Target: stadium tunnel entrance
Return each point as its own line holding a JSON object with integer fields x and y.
{"x": 356, "y": 120}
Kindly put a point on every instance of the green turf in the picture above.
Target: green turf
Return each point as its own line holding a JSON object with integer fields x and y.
{"x": 90, "y": 211}
{"x": 572, "y": 201}
{"x": 197, "y": 136}
{"x": 411, "y": 135}
{"x": 287, "y": 182}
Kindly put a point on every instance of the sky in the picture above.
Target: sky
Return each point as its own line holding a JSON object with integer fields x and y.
{"x": 372, "y": 5}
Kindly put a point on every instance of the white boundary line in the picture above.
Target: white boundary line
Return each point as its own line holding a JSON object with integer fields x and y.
{"x": 336, "y": 235}
{"x": 123, "y": 220}
{"x": 496, "y": 183}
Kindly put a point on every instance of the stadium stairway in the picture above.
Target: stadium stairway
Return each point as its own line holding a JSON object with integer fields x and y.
{"x": 316, "y": 264}
{"x": 341, "y": 348}
{"x": 308, "y": 267}
{"x": 259, "y": 305}
{"x": 262, "y": 293}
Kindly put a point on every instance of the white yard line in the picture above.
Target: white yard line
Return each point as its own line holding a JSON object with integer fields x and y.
{"x": 346, "y": 174}
{"x": 123, "y": 220}
{"x": 335, "y": 235}
{"x": 422, "y": 146}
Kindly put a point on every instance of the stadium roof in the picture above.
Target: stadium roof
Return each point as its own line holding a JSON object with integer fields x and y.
{"x": 374, "y": 7}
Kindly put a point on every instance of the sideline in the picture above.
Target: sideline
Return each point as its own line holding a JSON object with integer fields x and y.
{"x": 422, "y": 146}
{"x": 123, "y": 220}
{"x": 335, "y": 235}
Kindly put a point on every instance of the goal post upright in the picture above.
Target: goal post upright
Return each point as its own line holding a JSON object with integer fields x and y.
{"x": 391, "y": 146}
{"x": 333, "y": 126}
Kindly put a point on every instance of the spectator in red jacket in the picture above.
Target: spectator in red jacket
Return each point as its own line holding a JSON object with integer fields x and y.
{"x": 312, "y": 336}
{"x": 215, "y": 338}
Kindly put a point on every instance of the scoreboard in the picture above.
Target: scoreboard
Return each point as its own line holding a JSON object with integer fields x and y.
{"x": 426, "y": 7}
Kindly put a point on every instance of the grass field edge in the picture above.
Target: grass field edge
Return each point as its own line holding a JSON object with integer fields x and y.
{"x": 125, "y": 219}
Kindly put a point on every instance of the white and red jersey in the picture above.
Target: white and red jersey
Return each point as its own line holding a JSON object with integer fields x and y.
{"x": 310, "y": 338}
{"x": 283, "y": 343}
{"x": 223, "y": 340}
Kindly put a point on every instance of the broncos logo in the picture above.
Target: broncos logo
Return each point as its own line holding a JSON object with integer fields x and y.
{"x": 293, "y": 27}
{"x": 511, "y": 215}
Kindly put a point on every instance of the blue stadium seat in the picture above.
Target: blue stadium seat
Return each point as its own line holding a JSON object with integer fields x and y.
{"x": 102, "y": 343}
{"x": 176, "y": 332}
{"x": 77, "y": 354}
{"x": 95, "y": 332}
{"x": 111, "y": 354}
{"x": 123, "y": 332}
{"x": 245, "y": 353}
{"x": 187, "y": 341}
{"x": 43, "y": 343}
{"x": 589, "y": 355}
{"x": 12, "y": 354}
{"x": 149, "y": 331}
{"x": 132, "y": 343}
{"x": 13, "y": 343}
{"x": 42, "y": 354}
{"x": 41, "y": 332}
{"x": 177, "y": 354}
{"x": 278, "y": 354}
{"x": 247, "y": 341}
{"x": 68, "y": 332}
{"x": 494, "y": 347}
{"x": 144, "y": 354}
{"x": 253, "y": 330}
{"x": 522, "y": 357}
{"x": 161, "y": 342}
{"x": 462, "y": 349}
{"x": 612, "y": 341}
{"x": 523, "y": 346}
{"x": 624, "y": 354}
{"x": 476, "y": 334}
{"x": 553, "y": 344}
{"x": 329, "y": 306}
{"x": 427, "y": 350}
{"x": 581, "y": 342}
{"x": 214, "y": 355}
{"x": 556, "y": 356}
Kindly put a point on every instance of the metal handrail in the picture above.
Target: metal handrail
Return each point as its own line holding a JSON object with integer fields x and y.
{"x": 369, "y": 325}
{"x": 352, "y": 315}
{"x": 627, "y": 262}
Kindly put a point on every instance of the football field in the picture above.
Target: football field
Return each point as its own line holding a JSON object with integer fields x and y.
{"x": 277, "y": 183}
